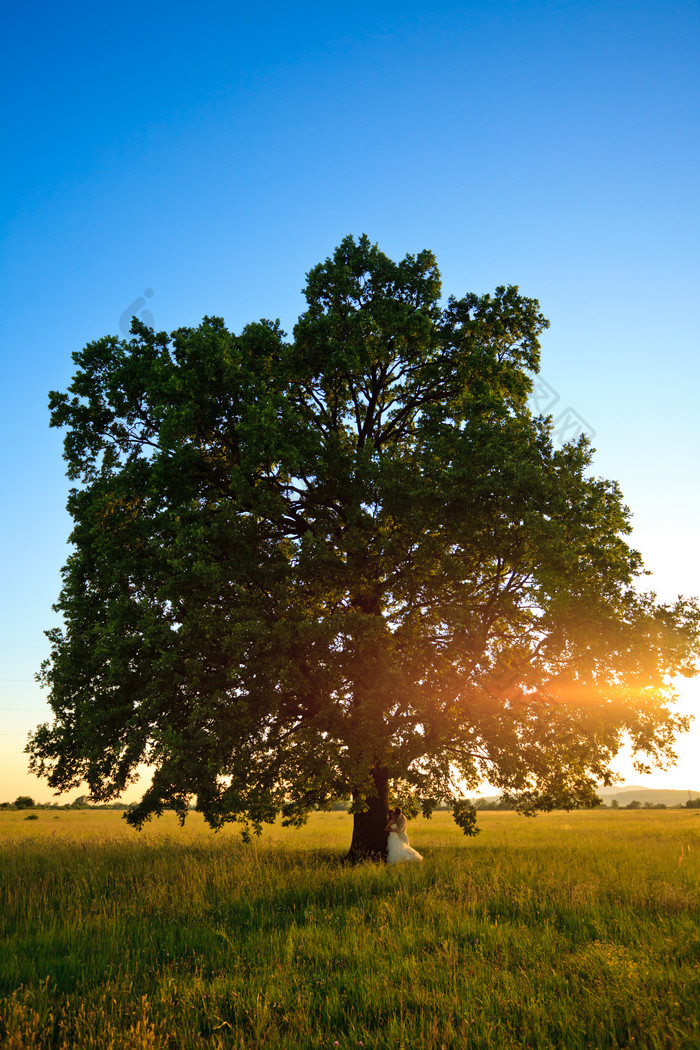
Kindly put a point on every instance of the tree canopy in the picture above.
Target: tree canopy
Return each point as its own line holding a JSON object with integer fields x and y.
{"x": 321, "y": 568}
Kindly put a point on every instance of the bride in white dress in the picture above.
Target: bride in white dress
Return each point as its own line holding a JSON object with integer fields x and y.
{"x": 398, "y": 848}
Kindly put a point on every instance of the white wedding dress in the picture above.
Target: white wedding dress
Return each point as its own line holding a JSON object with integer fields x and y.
{"x": 398, "y": 849}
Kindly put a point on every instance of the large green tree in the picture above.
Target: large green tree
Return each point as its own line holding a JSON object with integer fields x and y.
{"x": 343, "y": 565}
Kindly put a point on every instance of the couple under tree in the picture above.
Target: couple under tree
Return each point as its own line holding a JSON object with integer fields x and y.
{"x": 305, "y": 570}
{"x": 398, "y": 848}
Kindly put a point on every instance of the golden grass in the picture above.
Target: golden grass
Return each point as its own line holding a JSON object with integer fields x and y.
{"x": 569, "y": 930}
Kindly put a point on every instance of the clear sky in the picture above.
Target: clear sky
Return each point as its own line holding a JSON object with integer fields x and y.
{"x": 212, "y": 154}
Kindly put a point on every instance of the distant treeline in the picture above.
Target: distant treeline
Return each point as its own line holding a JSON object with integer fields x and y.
{"x": 27, "y": 802}
{"x": 499, "y": 804}
{"x": 82, "y": 802}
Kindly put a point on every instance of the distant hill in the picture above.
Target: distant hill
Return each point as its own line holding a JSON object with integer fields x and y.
{"x": 625, "y": 795}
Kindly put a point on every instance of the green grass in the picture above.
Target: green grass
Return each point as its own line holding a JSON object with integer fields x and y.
{"x": 571, "y": 930}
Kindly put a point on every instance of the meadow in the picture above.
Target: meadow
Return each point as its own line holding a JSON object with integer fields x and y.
{"x": 575, "y": 930}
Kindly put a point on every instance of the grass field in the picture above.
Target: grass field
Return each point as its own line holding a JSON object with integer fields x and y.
{"x": 571, "y": 930}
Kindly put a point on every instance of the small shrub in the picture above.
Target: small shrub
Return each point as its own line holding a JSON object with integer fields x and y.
{"x": 32, "y": 816}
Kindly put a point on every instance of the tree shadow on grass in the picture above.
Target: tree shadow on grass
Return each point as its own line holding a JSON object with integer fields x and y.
{"x": 270, "y": 891}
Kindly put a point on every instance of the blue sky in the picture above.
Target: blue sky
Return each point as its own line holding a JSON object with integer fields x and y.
{"x": 212, "y": 154}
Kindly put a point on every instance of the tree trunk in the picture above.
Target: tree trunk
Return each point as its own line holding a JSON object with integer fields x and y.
{"x": 368, "y": 834}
